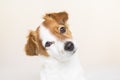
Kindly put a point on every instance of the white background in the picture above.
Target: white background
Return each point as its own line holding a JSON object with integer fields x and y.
{"x": 95, "y": 25}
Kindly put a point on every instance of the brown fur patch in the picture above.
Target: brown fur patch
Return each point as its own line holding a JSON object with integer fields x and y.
{"x": 34, "y": 44}
{"x": 53, "y": 21}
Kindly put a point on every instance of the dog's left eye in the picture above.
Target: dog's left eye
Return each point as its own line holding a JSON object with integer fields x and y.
{"x": 48, "y": 44}
{"x": 62, "y": 29}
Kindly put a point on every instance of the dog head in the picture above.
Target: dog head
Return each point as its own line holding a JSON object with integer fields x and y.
{"x": 52, "y": 39}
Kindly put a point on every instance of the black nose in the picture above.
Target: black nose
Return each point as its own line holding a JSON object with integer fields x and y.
{"x": 69, "y": 46}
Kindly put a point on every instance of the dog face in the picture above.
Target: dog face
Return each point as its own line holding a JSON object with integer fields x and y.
{"x": 53, "y": 38}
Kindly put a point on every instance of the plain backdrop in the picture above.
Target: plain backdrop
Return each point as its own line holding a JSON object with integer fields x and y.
{"x": 95, "y": 25}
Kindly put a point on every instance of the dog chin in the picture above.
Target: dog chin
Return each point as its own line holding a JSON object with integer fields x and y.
{"x": 64, "y": 57}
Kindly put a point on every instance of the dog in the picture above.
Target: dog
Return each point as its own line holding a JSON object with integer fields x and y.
{"x": 52, "y": 41}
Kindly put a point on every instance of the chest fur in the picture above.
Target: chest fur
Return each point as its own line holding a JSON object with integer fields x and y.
{"x": 70, "y": 70}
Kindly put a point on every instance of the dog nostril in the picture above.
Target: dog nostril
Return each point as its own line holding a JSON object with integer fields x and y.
{"x": 69, "y": 46}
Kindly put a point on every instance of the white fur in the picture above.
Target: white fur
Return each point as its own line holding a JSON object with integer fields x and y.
{"x": 61, "y": 64}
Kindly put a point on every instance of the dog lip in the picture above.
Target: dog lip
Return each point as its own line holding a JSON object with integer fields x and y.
{"x": 74, "y": 51}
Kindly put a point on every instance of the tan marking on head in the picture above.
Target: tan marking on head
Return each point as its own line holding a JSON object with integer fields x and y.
{"x": 53, "y": 21}
{"x": 34, "y": 44}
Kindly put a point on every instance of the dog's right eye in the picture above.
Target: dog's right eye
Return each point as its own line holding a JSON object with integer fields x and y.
{"x": 48, "y": 44}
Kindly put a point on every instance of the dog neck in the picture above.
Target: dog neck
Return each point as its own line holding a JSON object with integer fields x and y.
{"x": 47, "y": 62}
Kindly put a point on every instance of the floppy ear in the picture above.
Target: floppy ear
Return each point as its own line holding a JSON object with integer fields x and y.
{"x": 34, "y": 44}
{"x": 60, "y": 17}
{"x": 31, "y": 47}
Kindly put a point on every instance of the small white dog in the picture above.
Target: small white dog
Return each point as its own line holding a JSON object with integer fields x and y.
{"x": 53, "y": 41}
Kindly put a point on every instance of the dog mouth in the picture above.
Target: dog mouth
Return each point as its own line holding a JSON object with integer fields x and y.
{"x": 74, "y": 51}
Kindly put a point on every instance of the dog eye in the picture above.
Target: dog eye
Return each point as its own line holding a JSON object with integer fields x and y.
{"x": 62, "y": 30}
{"x": 48, "y": 44}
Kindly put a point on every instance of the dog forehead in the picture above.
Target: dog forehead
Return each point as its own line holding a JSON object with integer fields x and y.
{"x": 46, "y": 35}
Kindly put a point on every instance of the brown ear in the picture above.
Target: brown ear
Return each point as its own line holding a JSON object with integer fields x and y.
{"x": 34, "y": 44}
{"x": 60, "y": 17}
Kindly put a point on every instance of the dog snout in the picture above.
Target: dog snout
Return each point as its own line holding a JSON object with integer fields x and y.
{"x": 69, "y": 46}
